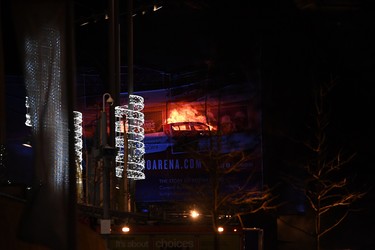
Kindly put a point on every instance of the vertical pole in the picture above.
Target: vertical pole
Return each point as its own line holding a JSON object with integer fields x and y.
{"x": 106, "y": 188}
{"x": 3, "y": 163}
{"x": 114, "y": 62}
{"x": 106, "y": 152}
{"x": 114, "y": 72}
{"x": 131, "y": 182}
{"x": 129, "y": 19}
{"x": 70, "y": 76}
{"x": 125, "y": 174}
{"x": 106, "y": 191}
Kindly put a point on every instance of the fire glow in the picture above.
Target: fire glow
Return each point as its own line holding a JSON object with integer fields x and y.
{"x": 187, "y": 113}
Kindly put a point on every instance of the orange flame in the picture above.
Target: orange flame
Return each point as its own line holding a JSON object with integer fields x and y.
{"x": 185, "y": 113}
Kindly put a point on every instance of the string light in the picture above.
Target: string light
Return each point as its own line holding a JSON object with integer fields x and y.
{"x": 78, "y": 142}
{"x": 120, "y": 129}
{"x": 78, "y": 145}
{"x": 28, "y": 116}
{"x": 130, "y": 121}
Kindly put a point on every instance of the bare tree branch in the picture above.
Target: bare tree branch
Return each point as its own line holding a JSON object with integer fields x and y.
{"x": 325, "y": 183}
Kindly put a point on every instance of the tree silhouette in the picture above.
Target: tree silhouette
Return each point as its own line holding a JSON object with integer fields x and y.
{"x": 234, "y": 188}
{"x": 326, "y": 182}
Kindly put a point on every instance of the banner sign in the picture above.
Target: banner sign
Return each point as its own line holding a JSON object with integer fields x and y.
{"x": 174, "y": 241}
{"x": 184, "y": 122}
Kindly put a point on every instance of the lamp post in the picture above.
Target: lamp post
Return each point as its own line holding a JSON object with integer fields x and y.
{"x": 106, "y": 152}
{"x": 103, "y": 134}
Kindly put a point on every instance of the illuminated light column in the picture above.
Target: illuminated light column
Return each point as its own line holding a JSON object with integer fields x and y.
{"x": 136, "y": 134}
{"x": 27, "y": 142}
{"x": 28, "y": 116}
{"x": 133, "y": 127}
{"x": 3, "y": 162}
{"x": 120, "y": 123}
{"x": 78, "y": 145}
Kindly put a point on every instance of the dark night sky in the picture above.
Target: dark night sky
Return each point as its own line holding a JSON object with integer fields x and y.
{"x": 287, "y": 47}
{"x": 279, "y": 43}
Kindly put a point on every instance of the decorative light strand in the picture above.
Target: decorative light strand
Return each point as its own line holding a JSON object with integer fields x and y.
{"x": 3, "y": 162}
{"x": 78, "y": 142}
{"x": 78, "y": 145}
{"x": 130, "y": 119}
{"x": 119, "y": 139}
{"x": 28, "y": 116}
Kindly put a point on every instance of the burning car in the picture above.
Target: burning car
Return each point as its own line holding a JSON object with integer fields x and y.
{"x": 177, "y": 137}
{"x": 186, "y": 129}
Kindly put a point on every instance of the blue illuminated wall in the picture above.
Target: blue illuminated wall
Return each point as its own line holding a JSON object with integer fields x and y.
{"x": 233, "y": 114}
